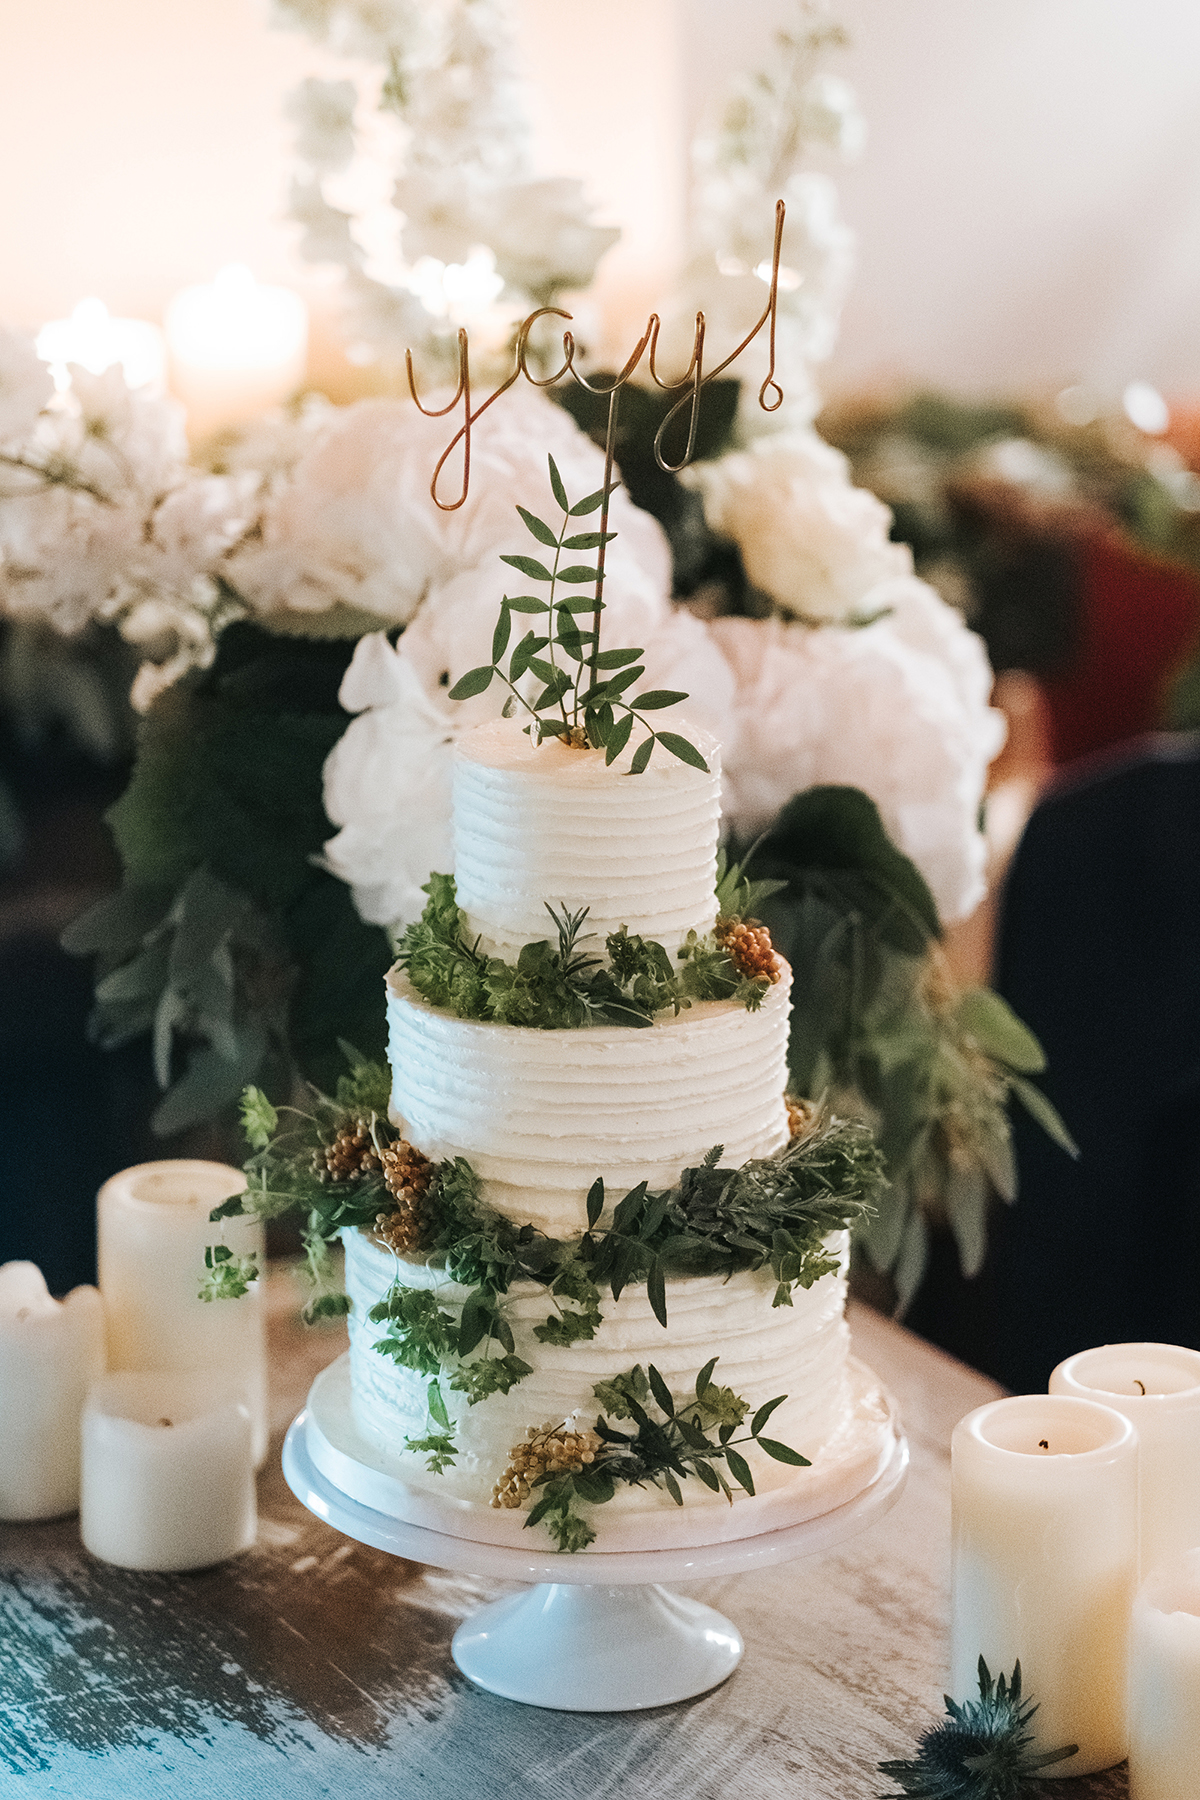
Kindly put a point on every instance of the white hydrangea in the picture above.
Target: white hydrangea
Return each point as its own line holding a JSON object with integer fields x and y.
{"x": 898, "y": 709}
{"x": 25, "y": 385}
{"x": 807, "y": 536}
{"x": 64, "y": 555}
{"x": 127, "y": 441}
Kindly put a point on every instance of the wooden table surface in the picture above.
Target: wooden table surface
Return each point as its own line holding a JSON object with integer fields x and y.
{"x": 314, "y": 1666}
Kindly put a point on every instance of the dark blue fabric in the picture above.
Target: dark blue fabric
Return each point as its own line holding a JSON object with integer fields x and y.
{"x": 1100, "y": 955}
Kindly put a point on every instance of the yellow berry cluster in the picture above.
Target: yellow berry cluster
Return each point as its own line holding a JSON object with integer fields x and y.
{"x": 554, "y": 1450}
{"x": 352, "y": 1153}
{"x": 405, "y": 1169}
{"x": 748, "y": 947}
{"x": 406, "y": 1175}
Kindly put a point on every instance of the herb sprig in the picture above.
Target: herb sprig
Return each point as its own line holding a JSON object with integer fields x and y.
{"x": 672, "y": 1440}
{"x": 583, "y": 698}
{"x": 283, "y": 1176}
{"x": 559, "y": 987}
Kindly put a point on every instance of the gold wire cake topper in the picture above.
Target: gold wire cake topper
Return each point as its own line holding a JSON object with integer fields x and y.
{"x": 694, "y": 380}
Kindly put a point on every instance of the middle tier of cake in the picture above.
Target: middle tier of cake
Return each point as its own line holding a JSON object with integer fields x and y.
{"x": 540, "y": 1114}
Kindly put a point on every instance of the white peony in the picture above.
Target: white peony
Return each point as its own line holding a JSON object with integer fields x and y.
{"x": 898, "y": 708}
{"x": 808, "y": 538}
{"x": 25, "y": 386}
{"x": 355, "y": 525}
{"x": 387, "y": 784}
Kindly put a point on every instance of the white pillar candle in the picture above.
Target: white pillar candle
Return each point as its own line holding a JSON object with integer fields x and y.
{"x": 92, "y": 338}
{"x": 50, "y": 1351}
{"x": 154, "y": 1228}
{"x": 236, "y": 348}
{"x": 168, "y": 1471}
{"x": 1044, "y": 1508}
{"x": 1157, "y": 1387}
{"x": 1164, "y": 1683}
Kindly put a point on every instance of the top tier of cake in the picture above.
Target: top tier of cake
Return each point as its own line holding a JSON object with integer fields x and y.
{"x": 537, "y": 823}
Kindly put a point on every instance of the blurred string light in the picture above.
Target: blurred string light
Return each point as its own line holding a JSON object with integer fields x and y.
{"x": 1078, "y": 405}
{"x": 1145, "y": 407}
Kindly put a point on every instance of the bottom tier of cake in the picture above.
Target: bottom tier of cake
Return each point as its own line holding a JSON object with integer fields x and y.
{"x": 763, "y": 1351}
{"x": 865, "y": 1453}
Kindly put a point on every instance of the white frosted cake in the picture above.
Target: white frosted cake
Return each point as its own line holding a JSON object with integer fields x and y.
{"x": 532, "y": 1117}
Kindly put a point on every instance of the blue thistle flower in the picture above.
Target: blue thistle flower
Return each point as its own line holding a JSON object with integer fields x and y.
{"x": 982, "y": 1753}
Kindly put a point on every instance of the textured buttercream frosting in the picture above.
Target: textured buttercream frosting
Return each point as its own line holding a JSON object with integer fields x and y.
{"x": 539, "y": 1114}
{"x": 538, "y": 823}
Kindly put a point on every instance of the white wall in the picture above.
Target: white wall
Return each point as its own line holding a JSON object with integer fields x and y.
{"x": 1028, "y": 212}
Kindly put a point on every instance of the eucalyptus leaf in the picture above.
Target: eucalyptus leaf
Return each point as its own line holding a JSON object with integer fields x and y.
{"x": 739, "y": 1468}
{"x": 661, "y": 1391}
{"x": 618, "y": 737}
{"x": 784, "y": 1453}
{"x": 527, "y": 565}
{"x": 656, "y": 698}
{"x": 680, "y": 747}
{"x": 120, "y": 921}
{"x": 618, "y": 659}
{"x": 591, "y": 504}
{"x": 502, "y": 632}
{"x": 556, "y": 485}
{"x": 995, "y": 1027}
{"x": 475, "y": 681}
{"x": 541, "y": 531}
{"x": 588, "y": 540}
{"x": 1046, "y": 1114}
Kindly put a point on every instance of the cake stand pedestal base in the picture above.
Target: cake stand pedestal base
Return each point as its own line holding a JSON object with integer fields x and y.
{"x": 595, "y": 1632}
{"x": 597, "y": 1649}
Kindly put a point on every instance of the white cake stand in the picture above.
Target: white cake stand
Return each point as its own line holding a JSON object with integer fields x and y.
{"x": 596, "y": 1633}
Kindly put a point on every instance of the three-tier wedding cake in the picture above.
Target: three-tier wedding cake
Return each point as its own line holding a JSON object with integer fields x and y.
{"x": 567, "y": 1151}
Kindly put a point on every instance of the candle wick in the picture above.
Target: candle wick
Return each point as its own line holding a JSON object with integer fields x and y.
{"x": 1043, "y": 1443}
{"x": 1139, "y": 1385}
{"x": 164, "y": 1421}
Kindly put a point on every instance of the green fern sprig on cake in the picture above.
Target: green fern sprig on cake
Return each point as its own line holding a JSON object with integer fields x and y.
{"x": 583, "y": 698}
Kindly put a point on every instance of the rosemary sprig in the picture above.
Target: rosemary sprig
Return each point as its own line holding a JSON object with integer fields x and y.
{"x": 583, "y": 697}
